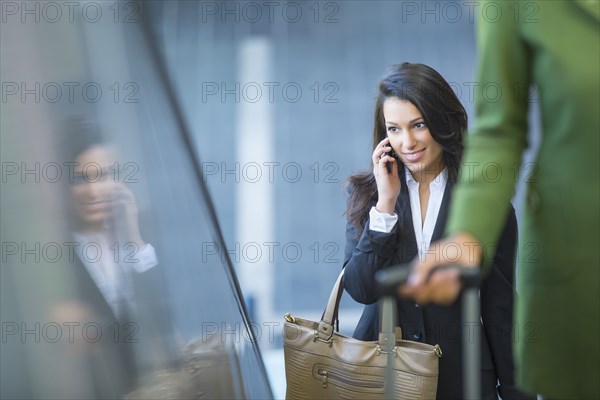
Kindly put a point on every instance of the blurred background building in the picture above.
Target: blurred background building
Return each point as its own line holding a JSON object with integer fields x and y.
{"x": 236, "y": 124}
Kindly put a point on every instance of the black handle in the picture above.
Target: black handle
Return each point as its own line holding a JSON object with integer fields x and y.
{"x": 389, "y": 279}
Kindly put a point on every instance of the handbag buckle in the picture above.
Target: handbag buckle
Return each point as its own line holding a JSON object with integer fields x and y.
{"x": 288, "y": 317}
{"x": 381, "y": 351}
{"x": 316, "y": 337}
{"x": 438, "y": 350}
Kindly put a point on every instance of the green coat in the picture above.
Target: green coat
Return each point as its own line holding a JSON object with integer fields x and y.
{"x": 556, "y": 46}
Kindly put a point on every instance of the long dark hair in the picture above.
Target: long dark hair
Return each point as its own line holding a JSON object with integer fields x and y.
{"x": 79, "y": 134}
{"x": 443, "y": 113}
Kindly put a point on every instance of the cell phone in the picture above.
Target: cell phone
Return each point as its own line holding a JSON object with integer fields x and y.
{"x": 393, "y": 154}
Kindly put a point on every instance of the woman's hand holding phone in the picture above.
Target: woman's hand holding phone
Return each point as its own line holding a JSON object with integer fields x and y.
{"x": 385, "y": 169}
{"x": 125, "y": 215}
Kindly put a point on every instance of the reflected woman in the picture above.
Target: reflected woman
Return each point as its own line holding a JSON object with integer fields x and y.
{"x": 399, "y": 207}
{"x": 119, "y": 285}
{"x": 106, "y": 217}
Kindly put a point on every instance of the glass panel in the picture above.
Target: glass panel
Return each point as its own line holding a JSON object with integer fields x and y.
{"x": 106, "y": 287}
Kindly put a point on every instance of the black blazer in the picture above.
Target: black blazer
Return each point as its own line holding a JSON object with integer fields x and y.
{"x": 114, "y": 357}
{"x": 435, "y": 324}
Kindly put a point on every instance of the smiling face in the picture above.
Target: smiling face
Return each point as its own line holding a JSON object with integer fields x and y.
{"x": 93, "y": 189}
{"x": 411, "y": 140}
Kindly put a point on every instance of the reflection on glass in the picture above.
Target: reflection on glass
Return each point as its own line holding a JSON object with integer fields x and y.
{"x": 105, "y": 290}
{"x": 120, "y": 284}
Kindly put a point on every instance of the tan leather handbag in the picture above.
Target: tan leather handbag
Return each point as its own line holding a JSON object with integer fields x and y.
{"x": 210, "y": 370}
{"x": 323, "y": 364}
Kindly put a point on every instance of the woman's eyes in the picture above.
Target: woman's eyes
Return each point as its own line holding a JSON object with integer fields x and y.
{"x": 418, "y": 125}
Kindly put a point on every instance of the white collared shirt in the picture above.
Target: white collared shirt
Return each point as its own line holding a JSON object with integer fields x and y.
{"x": 382, "y": 222}
{"x": 109, "y": 266}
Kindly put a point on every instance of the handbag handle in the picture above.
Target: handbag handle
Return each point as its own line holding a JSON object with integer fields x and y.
{"x": 326, "y": 328}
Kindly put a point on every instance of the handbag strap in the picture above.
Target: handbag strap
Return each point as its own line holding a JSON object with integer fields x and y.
{"x": 388, "y": 331}
{"x": 325, "y": 330}
{"x": 326, "y": 327}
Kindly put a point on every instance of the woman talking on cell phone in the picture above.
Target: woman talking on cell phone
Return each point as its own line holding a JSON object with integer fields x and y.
{"x": 118, "y": 284}
{"x": 398, "y": 207}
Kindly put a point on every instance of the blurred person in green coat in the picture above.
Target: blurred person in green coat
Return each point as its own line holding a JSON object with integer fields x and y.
{"x": 554, "y": 45}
